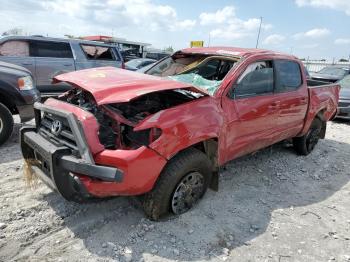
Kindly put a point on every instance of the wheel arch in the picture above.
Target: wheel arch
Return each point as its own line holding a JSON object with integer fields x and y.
{"x": 320, "y": 115}
{"x": 6, "y": 101}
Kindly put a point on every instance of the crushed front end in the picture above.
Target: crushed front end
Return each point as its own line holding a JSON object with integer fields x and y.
{"x": 56, "y": 150}
{"x": 82, "y": 149}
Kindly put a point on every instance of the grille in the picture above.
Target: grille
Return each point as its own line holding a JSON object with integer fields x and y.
{"x": 64, "y": 138}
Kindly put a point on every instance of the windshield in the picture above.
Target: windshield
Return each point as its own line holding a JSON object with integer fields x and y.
{"x": 196, "y": 80}
{"x": 345, "y": 82}
{"x": 332, "y": 71}
{"x": 204, "y": 72}
{"x": 134, "y": 62}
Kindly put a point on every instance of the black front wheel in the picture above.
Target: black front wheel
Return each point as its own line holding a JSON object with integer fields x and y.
{"x": 180, "y": 186}
{"x": 6, "y": 123}
{"x": 305, "y": 144}
{"x": 187, "y": 193}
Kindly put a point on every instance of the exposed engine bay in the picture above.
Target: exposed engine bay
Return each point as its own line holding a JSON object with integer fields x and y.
{"x": 117, "y": 121}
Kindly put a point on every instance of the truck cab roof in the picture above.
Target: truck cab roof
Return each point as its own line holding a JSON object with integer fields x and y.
{"x": 233, "y": 51}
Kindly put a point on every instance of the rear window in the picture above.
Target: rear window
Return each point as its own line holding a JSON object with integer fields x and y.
{"x": 14, "y": 48}
{"x": 50, "y": 49}
{"x": 93, "y": 52}
{"x": 288, "y": 75}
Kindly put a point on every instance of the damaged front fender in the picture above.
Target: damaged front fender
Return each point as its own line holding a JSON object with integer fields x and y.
{"x": 184, "y": 125}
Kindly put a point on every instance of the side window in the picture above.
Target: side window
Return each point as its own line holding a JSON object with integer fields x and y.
{"x": 256, "y": 80}
{"x": 14, "y": 48}
{"x": 288, "y": 76}
{"x": 50, "y": 49}
{"x": 93, "y": 52}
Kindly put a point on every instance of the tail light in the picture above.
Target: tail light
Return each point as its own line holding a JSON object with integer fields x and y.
{"x": 154, "y": 134}
{"x": 123, "y": 65}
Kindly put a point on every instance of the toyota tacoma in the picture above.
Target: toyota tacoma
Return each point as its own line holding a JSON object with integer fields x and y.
{"x": 163, "y": 135}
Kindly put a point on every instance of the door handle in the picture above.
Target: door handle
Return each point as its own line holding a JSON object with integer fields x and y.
{"x": 272, "y": 107}
{"x": 27, "y": 63}
{"x": 67, "y": 64}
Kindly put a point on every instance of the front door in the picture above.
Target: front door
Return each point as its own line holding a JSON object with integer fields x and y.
{"x": 252, "y": 109}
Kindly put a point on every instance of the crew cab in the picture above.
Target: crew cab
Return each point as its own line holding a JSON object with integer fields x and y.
{"x": 164, "y": 134}
{"x": 47, "y": 57}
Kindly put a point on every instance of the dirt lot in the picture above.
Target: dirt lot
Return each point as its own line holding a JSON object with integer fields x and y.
{"x": 272, "y": 206}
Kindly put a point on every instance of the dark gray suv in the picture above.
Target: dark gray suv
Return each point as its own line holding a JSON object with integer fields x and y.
{"x": 47, "y": 57}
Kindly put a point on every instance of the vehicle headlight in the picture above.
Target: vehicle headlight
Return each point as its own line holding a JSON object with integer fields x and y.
{"x": 25, "y": 83}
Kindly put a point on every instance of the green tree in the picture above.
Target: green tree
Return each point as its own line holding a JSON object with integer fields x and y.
{"x": 169, "y": 49}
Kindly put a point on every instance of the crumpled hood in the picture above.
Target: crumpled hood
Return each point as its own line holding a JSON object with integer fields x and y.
{"x": 114, "y": 85}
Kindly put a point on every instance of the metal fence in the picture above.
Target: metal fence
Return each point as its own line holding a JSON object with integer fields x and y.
{"x": 315, "y": 66}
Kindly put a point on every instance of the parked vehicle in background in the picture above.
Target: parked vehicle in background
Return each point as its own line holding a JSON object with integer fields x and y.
{"x": 157, "y": 55}
{"x": 344, "y": 98}
{"x": 47, "y": 57}
{"x": 130, "y": 54}
{"x": 139, "y": 63}
{"x": 17, "y": 96}
{"x": 331, "y": 73}
{"x": 165, "y": 135}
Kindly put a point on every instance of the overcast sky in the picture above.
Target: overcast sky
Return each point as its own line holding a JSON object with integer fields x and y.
{"x": 314, "y": 28}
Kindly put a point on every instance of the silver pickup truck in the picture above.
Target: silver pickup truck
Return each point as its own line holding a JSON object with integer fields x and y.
{"x": 47, "y": 57}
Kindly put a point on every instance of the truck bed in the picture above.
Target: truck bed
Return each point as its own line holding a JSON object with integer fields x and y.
{"x": 323, "y": 98}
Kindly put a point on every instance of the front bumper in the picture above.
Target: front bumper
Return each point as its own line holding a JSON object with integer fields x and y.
{"x": 59, "y": 169}
{"x": 136, "y": 170}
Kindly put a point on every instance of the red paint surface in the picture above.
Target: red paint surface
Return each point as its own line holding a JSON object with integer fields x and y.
{"x": 241, "y": 126}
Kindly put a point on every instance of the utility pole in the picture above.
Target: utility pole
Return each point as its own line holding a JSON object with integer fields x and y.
{"x": 257, "y": 40}
{"x": 209, "y": 40}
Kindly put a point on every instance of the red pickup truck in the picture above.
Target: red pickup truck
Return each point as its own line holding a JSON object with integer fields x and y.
{"x": 163, "y": 135}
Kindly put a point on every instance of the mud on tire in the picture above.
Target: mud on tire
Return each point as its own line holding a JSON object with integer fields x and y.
{"x": 158, "y": 202}
{"x": 6, "y": 123}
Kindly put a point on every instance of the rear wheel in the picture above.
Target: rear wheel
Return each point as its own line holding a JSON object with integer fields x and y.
{"x": 181, "y": 185}
{"x": 305, "y": 144}
{"x": 6, "y": 123}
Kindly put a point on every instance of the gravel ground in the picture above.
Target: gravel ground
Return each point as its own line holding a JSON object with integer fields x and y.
{"x": 271, "y": 206}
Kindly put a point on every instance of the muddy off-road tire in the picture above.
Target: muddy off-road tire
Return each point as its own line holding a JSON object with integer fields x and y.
{"x": 180, "y": 186}
{"x": 6, "y": 124}
{"x": 305, "y": 144}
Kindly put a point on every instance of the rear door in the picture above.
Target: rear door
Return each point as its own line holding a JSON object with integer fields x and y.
{"x": 292, "y": 92}
{"x": 17, "y": 52}
{"x": 51, "y": 58}
{"x": 98, "y": 56}
{"x": 251, "y": 111}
